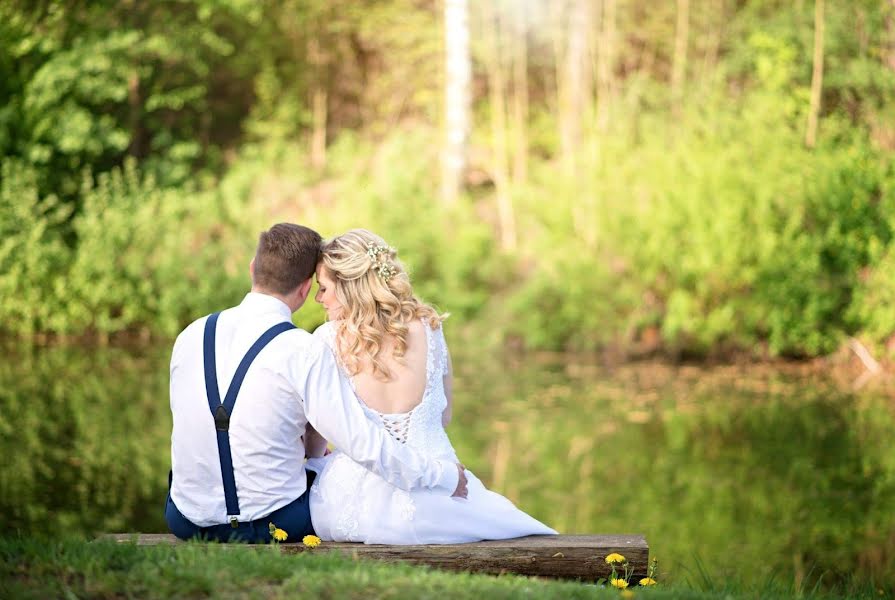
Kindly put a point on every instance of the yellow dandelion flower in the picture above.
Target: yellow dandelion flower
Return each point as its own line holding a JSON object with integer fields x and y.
{"x": 627, "y": 594}
{"x": 619, "y": 583}
{"x": 616, "y": 559}
{"x": 280, "y": 535}
{"x": 648, "y": 581}
{"x": 311, "y": 541}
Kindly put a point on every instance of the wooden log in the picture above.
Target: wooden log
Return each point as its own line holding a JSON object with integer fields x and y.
{"x": 562, "y": 556}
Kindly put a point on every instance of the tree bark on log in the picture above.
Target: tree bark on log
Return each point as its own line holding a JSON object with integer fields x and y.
{"x": 560, "y": 556}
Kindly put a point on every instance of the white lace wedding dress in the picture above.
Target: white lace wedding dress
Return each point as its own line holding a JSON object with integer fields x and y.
{"x": 351, "y": 504}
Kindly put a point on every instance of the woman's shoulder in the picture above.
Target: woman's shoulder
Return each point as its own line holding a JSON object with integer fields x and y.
{"x": 431, "y": 323}
{"x": 326, "y": 333}
{"x": 434, "y": 327}
{"x": 425, "y": 328}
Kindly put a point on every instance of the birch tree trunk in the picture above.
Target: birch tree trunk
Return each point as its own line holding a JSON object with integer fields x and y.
{"x": 679, "y": 62}
{"x": 457, "y": 100}
{"x": 816, "y": 75}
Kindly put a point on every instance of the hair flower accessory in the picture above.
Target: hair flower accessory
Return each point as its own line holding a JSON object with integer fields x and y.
{"x": 379, "y": 257}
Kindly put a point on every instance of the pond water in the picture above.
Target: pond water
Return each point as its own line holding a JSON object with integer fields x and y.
{"x": 732, "y": 471}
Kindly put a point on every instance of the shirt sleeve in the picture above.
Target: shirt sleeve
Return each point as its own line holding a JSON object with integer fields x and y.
{"x": 332, "y": 408}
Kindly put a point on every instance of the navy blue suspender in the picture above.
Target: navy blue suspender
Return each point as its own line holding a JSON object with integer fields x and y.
{"x": 221, "y": 411}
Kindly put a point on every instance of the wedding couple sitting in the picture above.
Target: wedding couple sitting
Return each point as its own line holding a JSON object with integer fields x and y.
{"x": 253, "y": 396}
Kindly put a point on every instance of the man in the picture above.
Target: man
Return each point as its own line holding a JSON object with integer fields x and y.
{"x": 245, "y": 384}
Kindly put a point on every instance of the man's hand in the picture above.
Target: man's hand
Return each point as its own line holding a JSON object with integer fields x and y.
{"x": 461, "y": 491}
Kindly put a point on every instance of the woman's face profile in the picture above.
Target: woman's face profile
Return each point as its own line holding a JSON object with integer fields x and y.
{"x": 326, "y": 294}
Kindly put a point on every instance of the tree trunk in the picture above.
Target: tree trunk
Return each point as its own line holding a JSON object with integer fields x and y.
{"x": 577, "y": 80}
{"x": 890, "y": 30}
{"x": 319, "y": 98}
{"x": 679, "y": 62}
{"x": 497, "y": 101}
{"x": 816, "y": 75}
{"x": 457, "y": 98}
{"x": 135, "y": 105}
{"x": 715, "y": 21}
{"x": 557, "y": 31}
{"x": 606, "y": 55}
{"x": 520, "y": 95}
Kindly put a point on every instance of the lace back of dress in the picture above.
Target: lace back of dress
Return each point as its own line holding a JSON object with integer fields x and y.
{"x": 397, "y": 426}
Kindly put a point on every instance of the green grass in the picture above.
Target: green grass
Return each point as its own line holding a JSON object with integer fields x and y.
{"x": 76, "y": 568}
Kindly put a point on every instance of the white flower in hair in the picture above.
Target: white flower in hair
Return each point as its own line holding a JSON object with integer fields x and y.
{"x": 379, "y": 256}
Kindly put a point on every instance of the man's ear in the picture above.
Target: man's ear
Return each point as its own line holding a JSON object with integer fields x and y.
{"x": 305, "y": 288}
{"x": 252, "y": 268}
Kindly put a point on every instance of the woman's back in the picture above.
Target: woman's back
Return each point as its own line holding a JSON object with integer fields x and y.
{"x": 415, "y": 416}
{"x": 406, "y": 386}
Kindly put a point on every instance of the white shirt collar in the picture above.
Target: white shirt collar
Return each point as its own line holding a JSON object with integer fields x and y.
{"x": 259, "y": 303}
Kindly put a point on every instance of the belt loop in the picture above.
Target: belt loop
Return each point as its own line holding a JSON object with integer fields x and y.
{"x": 234, "y": 522}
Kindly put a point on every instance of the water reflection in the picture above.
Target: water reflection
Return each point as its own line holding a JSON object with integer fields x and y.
{"x": 755, "y": 473}
{"x": 85, "y": 439}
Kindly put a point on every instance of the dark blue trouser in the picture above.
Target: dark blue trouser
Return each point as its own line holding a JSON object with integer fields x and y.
{"x": 294, "y": 518}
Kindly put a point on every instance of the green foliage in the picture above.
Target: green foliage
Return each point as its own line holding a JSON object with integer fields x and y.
{"x": 143, "y": 147}
{"x": 89, "y": 84}
{"x": 32, "y": 254}
{"x": 735, "y": 236}
{"x": 82, "y": 454}
{"x": 145, "y": 257}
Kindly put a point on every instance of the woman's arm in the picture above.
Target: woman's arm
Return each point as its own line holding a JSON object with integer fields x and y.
{"x": 315, "y": 444}
{"x": 448, "y": 391}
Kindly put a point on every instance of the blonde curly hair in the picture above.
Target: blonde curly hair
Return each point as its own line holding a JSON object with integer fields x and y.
{"x": 376, "y": 297}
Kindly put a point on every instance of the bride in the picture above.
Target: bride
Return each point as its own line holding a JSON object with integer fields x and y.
{"x": 391, "y": 347}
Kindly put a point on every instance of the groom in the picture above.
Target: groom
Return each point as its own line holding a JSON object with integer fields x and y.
{"x": 245, "y": 383}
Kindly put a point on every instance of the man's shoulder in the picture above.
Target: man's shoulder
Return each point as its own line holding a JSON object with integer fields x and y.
{"x": 196, "y": 329}
{"x": 192, "y": 330}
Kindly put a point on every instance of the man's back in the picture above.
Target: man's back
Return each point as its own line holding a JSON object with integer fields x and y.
{"x": 266, "y": 425}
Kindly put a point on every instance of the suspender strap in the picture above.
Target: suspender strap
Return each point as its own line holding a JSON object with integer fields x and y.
{"x": 221, "y": 411}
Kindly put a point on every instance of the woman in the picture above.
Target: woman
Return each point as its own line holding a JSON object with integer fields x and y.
{"x": 392, "y": 349}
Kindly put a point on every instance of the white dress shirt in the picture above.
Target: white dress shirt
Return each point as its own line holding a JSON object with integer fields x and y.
{"x": 295, "y": 380}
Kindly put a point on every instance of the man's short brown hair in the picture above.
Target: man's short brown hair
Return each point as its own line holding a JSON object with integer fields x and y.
{"x": 287, "y": 255}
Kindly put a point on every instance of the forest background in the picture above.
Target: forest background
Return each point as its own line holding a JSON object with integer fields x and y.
{"x": 691, "y": 178}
